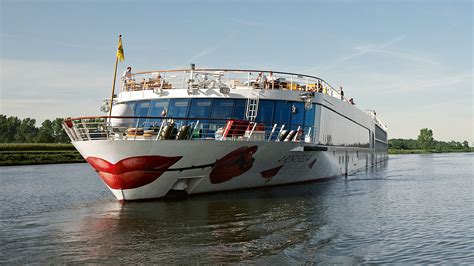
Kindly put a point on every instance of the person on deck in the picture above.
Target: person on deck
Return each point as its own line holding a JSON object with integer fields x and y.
{"x": 320, "y": 86}
{"x": 127, "y": 77}
{"x": 271, "y": 81}
{"x": 261, "y": 80}
{"x": 341, "y": 92}
{"x": 127, "y": 74}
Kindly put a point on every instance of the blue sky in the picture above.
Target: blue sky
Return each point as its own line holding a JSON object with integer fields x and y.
{"x": 409, "y": 60}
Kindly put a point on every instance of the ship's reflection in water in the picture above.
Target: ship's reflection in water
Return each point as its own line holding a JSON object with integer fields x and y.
{"x": 414, "y": 209}
{"x": 223, "y": 227}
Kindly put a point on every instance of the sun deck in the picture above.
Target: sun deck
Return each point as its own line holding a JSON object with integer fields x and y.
{"x": 223, "y": 79}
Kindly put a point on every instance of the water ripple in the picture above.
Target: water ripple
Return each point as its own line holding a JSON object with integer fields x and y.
{"x": 415, "y": 209}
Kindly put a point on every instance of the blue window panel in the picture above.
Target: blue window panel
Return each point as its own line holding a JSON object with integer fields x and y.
{"x": 297, "y": 114}
{"x": 178, "y": 108}
{"x": 142, "y": 108}
{"x": 239, "y": 109}
{"x": 309, "y": 129}
{"x": 222, "y": 108}
{"x": 158, "y": 106}
{"x": 309, "y": 116}
{"x": 132, "y": 105}
{"x": 156, "y": 109}
{"x": 282, "y": 113}
{"x": 200, "y": 108}
{"x": 265, "y": 111}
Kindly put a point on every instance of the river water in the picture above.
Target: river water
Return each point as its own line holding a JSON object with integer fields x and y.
{"x": 412, "y": 209}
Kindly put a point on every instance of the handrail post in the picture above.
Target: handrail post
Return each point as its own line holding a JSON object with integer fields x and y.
{"x": 308, "y": 135}
{"x": 136, "y": 129}
{"x": 159, "y": 131}
{"x": 251, "y": 132}
{"x": 297, "y": 132}
{"x": 271, "y": 133}
{"x": 279, "y": 133}
{"x": 195, "y": 126}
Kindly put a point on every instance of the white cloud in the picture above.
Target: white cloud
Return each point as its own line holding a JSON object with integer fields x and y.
{"x": 359, "y": 52}
{"x": 210, "y": 50}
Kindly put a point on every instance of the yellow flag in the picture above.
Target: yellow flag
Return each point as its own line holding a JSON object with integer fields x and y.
{"x": 120, "y": 54}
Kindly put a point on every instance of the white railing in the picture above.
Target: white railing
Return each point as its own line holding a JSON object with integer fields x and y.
{"x": 169, "y": 128}
{"x": 373, "y": 115}
{"x": 226, "y": 78}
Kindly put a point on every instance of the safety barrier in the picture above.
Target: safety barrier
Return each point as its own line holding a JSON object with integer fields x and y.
{"x": 171, "y": 128}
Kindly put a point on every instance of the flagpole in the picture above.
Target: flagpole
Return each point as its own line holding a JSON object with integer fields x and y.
{"x": 113, "y": 84}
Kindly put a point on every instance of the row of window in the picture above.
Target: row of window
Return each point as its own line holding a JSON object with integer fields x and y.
{"x": 269, "y": 111}
{"x": 339, "y": 131}
{"x": 190, "y": 108}
{"x": 334, "y": 128}
{"x": 380, "y": 134}
{"x": 380, "y": 145}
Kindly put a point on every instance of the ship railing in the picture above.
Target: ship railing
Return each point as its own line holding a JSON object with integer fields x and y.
{"x": 162, "y": 80}
{"x": 372, "y": 114}
{"x": 171, "y": 128}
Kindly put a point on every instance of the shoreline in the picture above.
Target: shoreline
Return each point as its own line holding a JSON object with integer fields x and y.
{"x": 15, "y": 154}
{"x": 419, "y": 151}
{"x": 19, "y": 154}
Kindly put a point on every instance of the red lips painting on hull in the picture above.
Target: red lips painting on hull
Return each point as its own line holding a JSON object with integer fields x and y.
{"x": 132, "y": 172}
{"x": 233, "y": 164}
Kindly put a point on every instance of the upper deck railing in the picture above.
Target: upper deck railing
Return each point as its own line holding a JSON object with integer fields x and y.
{"x": 204, "y": 78}
{"x": 172, "y": 128}
{"x": 372, "y": 114}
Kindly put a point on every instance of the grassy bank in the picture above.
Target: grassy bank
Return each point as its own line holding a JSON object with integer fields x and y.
{"x": 38, "y": 153}
{"x": 420, "y": 151}
{"x": 46, "y": 153}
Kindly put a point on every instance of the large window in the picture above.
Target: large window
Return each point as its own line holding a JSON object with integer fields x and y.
{"x": 222, "y": 108}
{"x": 239, "y": 109}
{"x": 282, "y": 113}
{"x": 132, "y": 105}
{"x": 309, "y": 116}
{"x": 265, "y": 111}
{"x": 200, "y": 108}
{"x": 159, "y": 107}
{"x": 309, "y": 129}
{"x": 178, "y": 108}
{"x": 297, "y": 114}
{"x": 141, "y": 110}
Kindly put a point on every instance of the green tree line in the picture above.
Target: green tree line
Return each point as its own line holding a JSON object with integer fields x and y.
{"x": 425, "y": 141}
{"x": 16, "y": 130}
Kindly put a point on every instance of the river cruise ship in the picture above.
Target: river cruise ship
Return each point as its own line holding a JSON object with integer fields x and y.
{"x": 196, "y": 131}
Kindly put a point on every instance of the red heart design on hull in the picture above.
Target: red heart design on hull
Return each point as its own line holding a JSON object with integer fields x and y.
{"x": 132, "y": 172}
{"x": 268, "y": 174}
{"x": 233, "y": 164}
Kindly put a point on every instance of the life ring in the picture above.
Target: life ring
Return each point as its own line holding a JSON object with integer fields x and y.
{"x": 134, "y": 130}
{"x": 150, "y": 132}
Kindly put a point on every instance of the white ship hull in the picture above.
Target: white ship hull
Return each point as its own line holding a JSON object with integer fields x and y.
{"x": 205, "y": 166}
